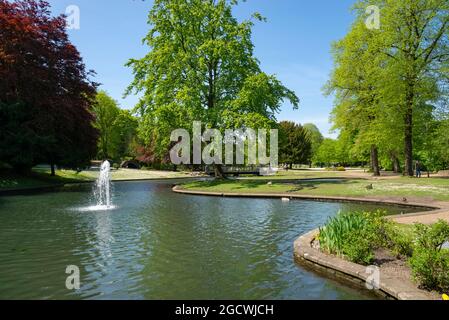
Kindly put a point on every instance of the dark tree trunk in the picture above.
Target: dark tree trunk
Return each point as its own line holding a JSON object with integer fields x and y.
{"x": 219, "y": 173}
{"x": 375, "y": 161}
{"x": 53, "y": 171}
{"x": 396, "y": 165}
{"x": 408, "y": 134}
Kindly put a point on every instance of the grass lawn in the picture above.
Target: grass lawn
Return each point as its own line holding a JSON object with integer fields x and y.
{"x": 429, "y": 188}
{"x": 39, "y": 178}
{"x": 42, "y": 177}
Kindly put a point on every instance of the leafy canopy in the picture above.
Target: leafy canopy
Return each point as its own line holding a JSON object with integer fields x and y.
{"x": 201, "y": 67}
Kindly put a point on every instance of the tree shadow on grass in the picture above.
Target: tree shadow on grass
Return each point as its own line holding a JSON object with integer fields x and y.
{"x": 295, "y": 185}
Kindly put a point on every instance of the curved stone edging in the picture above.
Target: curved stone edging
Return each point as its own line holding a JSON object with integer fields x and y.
{"x": 389, "y": 286}
{"x": 427, "y": 209}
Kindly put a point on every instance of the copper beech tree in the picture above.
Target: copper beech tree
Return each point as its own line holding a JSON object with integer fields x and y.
{"x": 45, "y": 91}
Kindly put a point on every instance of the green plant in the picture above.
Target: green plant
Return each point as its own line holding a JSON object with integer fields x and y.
{"x": 336, "y": 231}
{"x": 430, "y": 262}
{"x": 401, "y": 243}
{"x": 378, "y": 228}
{"x": 431, "y": 269}
{"x": 358, "y": 248}
{"x": 341, "y": 169}
{"x": 355, "y": 235}
{"x": 432, "y": 237}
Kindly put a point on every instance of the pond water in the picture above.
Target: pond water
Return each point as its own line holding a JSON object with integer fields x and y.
{"x": 160, "y": 245}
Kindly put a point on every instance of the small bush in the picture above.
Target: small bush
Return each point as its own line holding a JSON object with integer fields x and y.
{"x": 431, "y": 269}
{"x": 401, "y": 243}
{"x": 358, "y": 248}
{"x": 334, "y": 234}
{"x": 432, "y": 237}
{"x": 430, "y": 262}
{"x": 341, "y": 169}
{"x": 355, "y": 235}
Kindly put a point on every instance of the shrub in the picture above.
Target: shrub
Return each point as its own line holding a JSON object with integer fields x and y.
{"x": 355, "y": 235}
{"x": 430, "y": 262}
{"x": 334, "y": 234}
{"x": 432, "y": 237}
{"x": 341, "y": 169}
{"x": 401, "y": 243}
{"x": 431, "y": 269}
{"x": 358, "y": 248}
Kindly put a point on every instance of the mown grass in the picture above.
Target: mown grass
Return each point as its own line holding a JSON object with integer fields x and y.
{"x": 42, "y": 178}
{"x": 39, "y": 178}
{"x": 432, "y": 188}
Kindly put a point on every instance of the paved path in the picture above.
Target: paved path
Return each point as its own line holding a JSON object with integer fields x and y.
{"x": 428, "y": 218}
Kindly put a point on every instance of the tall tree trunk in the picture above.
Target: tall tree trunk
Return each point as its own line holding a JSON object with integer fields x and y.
{"x": 53, "y": 170}
{"x": 219, "y": 173}
{"x": 375, "y": 161}
{"x": 408, "y": 134}
{"x": 396, "y": 164}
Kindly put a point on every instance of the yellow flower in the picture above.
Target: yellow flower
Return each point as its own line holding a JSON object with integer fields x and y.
{"x": 445, "y": 297}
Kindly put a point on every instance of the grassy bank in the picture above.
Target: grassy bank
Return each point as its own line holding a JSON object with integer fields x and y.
{"x": 391, "y": 187}
{"x": 41, "y": 177}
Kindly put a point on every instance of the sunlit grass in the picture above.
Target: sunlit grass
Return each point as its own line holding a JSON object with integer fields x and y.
{"x": 434, "y": 188}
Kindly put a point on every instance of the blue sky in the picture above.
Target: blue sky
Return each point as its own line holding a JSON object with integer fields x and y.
{"x": 294, "y": 44}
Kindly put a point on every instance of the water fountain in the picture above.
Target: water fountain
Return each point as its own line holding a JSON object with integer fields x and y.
{"x": 102, "y": 190}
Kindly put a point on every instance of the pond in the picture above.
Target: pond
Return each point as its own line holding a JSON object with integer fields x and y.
{"x": 157, "y": 244}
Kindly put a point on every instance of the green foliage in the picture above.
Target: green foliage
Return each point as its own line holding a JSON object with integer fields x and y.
{"x": 294, "y": 144}
{"x": 431, "y": 269}
{"x": 430, "y": 262}
{"x": 117, "y": 128}
{"x": 201, "y": 67}
{"x": 316, "y": 138}
{"x": 432, "y": 237}
{"x": 354, "y": 235}
{"x": 332, "y": 152}
{"x": 388, "y": 83}
{"x": 400, "y": 242}
{"x": 358, "y": 248}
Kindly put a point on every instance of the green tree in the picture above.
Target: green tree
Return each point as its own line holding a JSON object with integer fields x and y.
{"x": 327, "y": 152}
{"x": 316, "y": 138}
{"x": 201, "y": 67}
{"x": 117, "y": 128}
{"x": 125, "y": 132}
{"x": 414, "y": 43}
{"x": 295, "y": 144}
{"x": 106, "y": 111}
{"x": 383, "y": 79}
{"x": 355, "y": 82}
